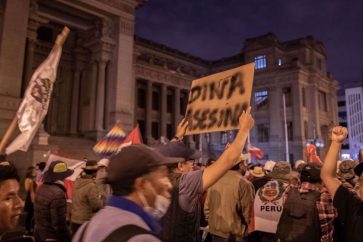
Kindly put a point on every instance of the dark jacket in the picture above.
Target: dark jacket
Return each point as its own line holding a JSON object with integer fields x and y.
{"x": 50, "y": 213}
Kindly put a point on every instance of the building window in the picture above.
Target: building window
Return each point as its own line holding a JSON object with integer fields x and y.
{"x": 45, "y": 34}
{"x": 342, "y": 115}
{"x": 260, "y": 62}
{"x": 141, "y": 94}
{"x": 288, "y": 97}
{"x": 290, "y": 131}
{"x": 142, "y": 128}
{"x": 155, "y": 130}
{"x": 306, "y": 130}
{"x": 341, "y": 103}
{"x": 170, "y": 101}
{"x": 169, "y": 131}
{"x": 303, "y": 97}
{"x": 323, "y": 103}
{"x": 183, "y": 102}
{"x": 263, "y": 133}
{"x": 156, "y": 98}
{"x": 261, "y": 99}
{"x": 279, "y": 62}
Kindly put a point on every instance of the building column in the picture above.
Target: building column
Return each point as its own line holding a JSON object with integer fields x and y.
{"x": 93, "y": 96}
{"x": 164, "y": 101}
{"x": 176, "y": 107}
{"x": 29, "y": 62}
{"x": 75, "y": 101}
{"x": 148, "y": 121}
{"x": 100, "y": 105}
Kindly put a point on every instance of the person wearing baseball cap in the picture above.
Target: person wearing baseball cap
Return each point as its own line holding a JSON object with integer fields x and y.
{"x": 141, "y": 195}
{"x": 50, "y": 205}
{"x": 182, "y": 221}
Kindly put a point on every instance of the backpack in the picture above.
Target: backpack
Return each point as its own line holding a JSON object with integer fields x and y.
{"x": 122, "y": 234}
{"x": 299, "y": 221}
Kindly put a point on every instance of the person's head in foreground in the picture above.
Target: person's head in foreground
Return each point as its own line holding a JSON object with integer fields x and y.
{"x": 140, "y": 174}
{"x": 11, "y": 204}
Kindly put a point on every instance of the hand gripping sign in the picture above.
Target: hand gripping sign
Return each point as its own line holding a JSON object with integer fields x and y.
{"x": 217, "y": 101}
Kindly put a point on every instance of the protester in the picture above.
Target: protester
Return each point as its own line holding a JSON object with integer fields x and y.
{"x": 182, "y": 221}
{"x": 101, "y": 178}
{"x": 268, "y": 204}
{"x": 228, "y": 206}
{"x": 11, "y": 204}
{"x": 30, "y": 187}
{"x": 39, "y": 176}
{"x": 138, "y": 178}
{"x": 51, "y": 205}
{"x": 308, "y": 213}
{"x": 299, "y": 164}
{"x": 346, "y": 171}
{"x": 268, "y": 167}
{"x": 87, "y": 197}
{"x": 348, "y": 205}
{"x": 257, "y": 176}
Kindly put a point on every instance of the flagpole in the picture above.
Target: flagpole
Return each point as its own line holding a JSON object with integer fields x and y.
{"x": 9, "y": 132}
{"x": 285, "y": 124}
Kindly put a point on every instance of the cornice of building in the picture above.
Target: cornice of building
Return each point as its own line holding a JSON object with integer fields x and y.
{"x": 168, "y": 50}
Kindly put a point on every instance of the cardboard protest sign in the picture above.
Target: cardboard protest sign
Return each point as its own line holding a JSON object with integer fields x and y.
{"x": 217, "y": 101}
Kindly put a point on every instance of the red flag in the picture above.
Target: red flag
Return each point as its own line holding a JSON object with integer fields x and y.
{"x": 134, "y": 136}
{"x": 256, "y": 152}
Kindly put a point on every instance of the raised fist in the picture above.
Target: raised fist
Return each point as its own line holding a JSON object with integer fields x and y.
{"x": 339, "y": 134}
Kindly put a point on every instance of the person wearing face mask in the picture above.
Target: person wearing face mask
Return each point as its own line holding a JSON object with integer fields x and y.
{"x": 181, "y": 223}
{"x": 141, "y": 196}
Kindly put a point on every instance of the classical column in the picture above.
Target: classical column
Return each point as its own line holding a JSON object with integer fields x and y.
{"x": 164, "y": 101}
{"x": 100, "y": 105}
{"x": 93, "y": 96}
{"x": 148, "y": 121}
{"x": 75, "y": 101}
{"x": 176, "y": 107}
{"x": 14, "y": 27}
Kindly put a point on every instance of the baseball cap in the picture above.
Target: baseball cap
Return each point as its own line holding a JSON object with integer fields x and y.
{"x": 178, "y": 150}
{"x": 134, "y": 161}
{"x": 310, "y": 173}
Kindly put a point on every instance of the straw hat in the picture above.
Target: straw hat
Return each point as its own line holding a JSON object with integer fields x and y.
{"x": 257, "y": 171}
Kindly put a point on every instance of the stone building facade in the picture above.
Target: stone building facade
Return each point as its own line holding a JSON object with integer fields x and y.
{"x": 106, "y": 74}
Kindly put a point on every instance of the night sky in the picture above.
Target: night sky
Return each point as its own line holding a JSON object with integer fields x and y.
{"x": 212, "y": 29}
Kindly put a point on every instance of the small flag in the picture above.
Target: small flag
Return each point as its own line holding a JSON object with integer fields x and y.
{"x": 111, "y": 143}
{"x": 34, "y": 106}
{"x": 256, "y": 152}
{"x": 134, "y": 136}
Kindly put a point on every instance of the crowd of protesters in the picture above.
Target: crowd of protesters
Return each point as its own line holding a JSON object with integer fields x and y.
{"x": 159, "y": 194}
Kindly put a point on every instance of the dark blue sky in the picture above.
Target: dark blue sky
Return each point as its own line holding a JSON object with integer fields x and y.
{"x": 212, "y": 29}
